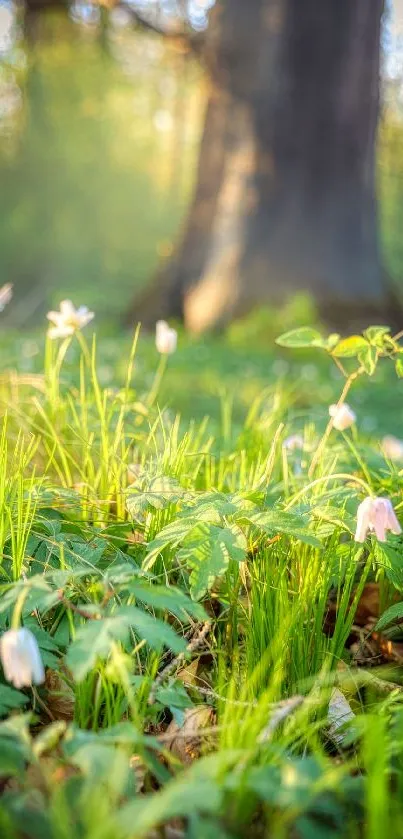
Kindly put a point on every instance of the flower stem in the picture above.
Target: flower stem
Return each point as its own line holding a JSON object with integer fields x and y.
{"x": 319, "y": 451}
{"x": 157, "y": 380}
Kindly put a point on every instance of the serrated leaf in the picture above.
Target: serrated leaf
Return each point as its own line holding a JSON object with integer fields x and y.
{"x": 172, "y": 599}
{"x": 394, "y": 613}
{"x": 304, "y": 336}
{"x": 390, "y": 559}
{"x": 368, "y": 358}
{"x": 95, "y": 640}
{"x": 171, "y": 535}
{"x": 376, "y": 334}
{"x": 276, "y": 521}
{"x": 350, "y": 347}
{"x": 156, "y": 493}
{"x": 181, "y": 797}
{"x": 208, "y": 552}
{"x": 10, "y": 699}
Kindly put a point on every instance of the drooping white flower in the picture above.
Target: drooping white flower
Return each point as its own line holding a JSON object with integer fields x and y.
{"x": 294, "y": 443}
{"x": 6, "y": 293}
{"x": 68, "y": 319}
{"x": 392, "y": 447}
{"x": 376, "y": 515}
{"x": 343, "y": 416}
{"x": 21, "y": 659}
{"x": 165, "y": 338}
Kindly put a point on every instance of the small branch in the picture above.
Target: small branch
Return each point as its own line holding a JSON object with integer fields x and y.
{"x": 192, "y": 41}
{"x": 193, "y": 645}
{"x": 76, "y": 609}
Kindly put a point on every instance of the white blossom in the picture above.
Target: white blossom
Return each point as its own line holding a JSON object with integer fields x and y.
{"x": 68, "y": 319}
{"x": 343, "y": 416}
{"x": 165, "y": 338}
{"x": 6, "y": 293}
{"x": 376, "y": 515}
{"x": 20, "y": 658}
{"x": 392, "y": 447}
{"x": 293, "y": 443}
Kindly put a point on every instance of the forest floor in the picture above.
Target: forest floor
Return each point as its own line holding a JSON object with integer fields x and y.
{"x": 222, "y": 658}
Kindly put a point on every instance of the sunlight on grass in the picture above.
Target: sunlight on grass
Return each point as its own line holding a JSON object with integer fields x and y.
{"x": 193, "y": 589}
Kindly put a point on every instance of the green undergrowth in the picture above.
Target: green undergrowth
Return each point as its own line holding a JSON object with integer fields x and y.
{"x": 192, "y": 584}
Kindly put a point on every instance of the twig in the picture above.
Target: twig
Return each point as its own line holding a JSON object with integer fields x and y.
{"x": 76, "y": 609}
{"x": 193, "y": 645}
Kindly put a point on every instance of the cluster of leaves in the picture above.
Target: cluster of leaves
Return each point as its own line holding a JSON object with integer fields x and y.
{"x": 375, "y": 343}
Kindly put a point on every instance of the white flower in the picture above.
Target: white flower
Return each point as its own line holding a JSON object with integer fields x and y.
{"x": 342, "y": 415}
{"x": 293, "y": 443}
{"x": 376, "y": 515}
{"x": 68, "y": 319}
{"x": 6, "y": 293}
{"x": 392, "y": 447}
{"x": 165, "y": 338}
{"x": 21, "y": 659}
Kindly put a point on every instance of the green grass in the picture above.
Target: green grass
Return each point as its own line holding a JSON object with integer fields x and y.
{"x": 180, "y": 574}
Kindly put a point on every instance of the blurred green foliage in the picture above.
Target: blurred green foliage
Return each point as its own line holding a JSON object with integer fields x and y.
{"x": 95, "y": 168}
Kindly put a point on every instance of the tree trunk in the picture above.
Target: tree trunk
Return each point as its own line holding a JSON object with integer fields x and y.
{"x": 33, "y": 11}
{"x": 285, "y": 194}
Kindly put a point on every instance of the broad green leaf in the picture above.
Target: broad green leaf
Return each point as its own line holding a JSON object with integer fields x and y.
{"x": 376, "y": 334}
{"x": 208, "y": 551}
{"x": 305, "y": 336}
{"x": 181, "y": 797}
{"x": 391, "y": 560}
{"x": 10, "y": 699}
{"x": 156, "y": 493}
{"x": 172, "y": 599}
{"x": 332, "y": 340}
{"x": 156, "y": 632}
{"x": 95, "y": 640}
{"x": 368, "y": 358}
{"x": 171, "y": 535}
{"x": 394, "y": 613}
{"x": 275, "y": 521}
{"x": 350, "y": 347}
{"x": 399, "y": 367}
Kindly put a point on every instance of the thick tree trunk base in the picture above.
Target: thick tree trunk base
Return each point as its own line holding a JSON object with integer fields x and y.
{"x": 285, "y": 195}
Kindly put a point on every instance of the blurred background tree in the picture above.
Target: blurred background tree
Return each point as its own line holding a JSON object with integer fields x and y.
{"x": 101, "y": 110}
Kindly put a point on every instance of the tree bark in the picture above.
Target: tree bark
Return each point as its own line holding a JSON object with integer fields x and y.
{"x": 285, "y": 193}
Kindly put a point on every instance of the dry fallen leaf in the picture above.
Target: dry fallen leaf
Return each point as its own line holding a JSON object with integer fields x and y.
{"x": 60, "y": 697}
{"x": 184, "y": 741}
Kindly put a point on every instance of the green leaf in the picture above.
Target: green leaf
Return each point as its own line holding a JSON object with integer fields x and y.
{"x": 172, "y": 599}
{"x": 391, "y": 560}
{"x": 181, "y": 797}
{"x": 305, "y": 336}
{"x": 153, "y": 494}
{"x": 208, "y": 551}
{"x": 275, "y": 521}
{"x": 350, "y": 347}
{"x": 169, "y": 536}
{"x": 11, "y": 699}
{"x": 332, "y": 340}
{"x": 394, "y": 613}
{"x": 399, "y": 367}
{"x": 376, "y": 334}
{"x": 95, "y": 640}
{"x": 368, "y": 358}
